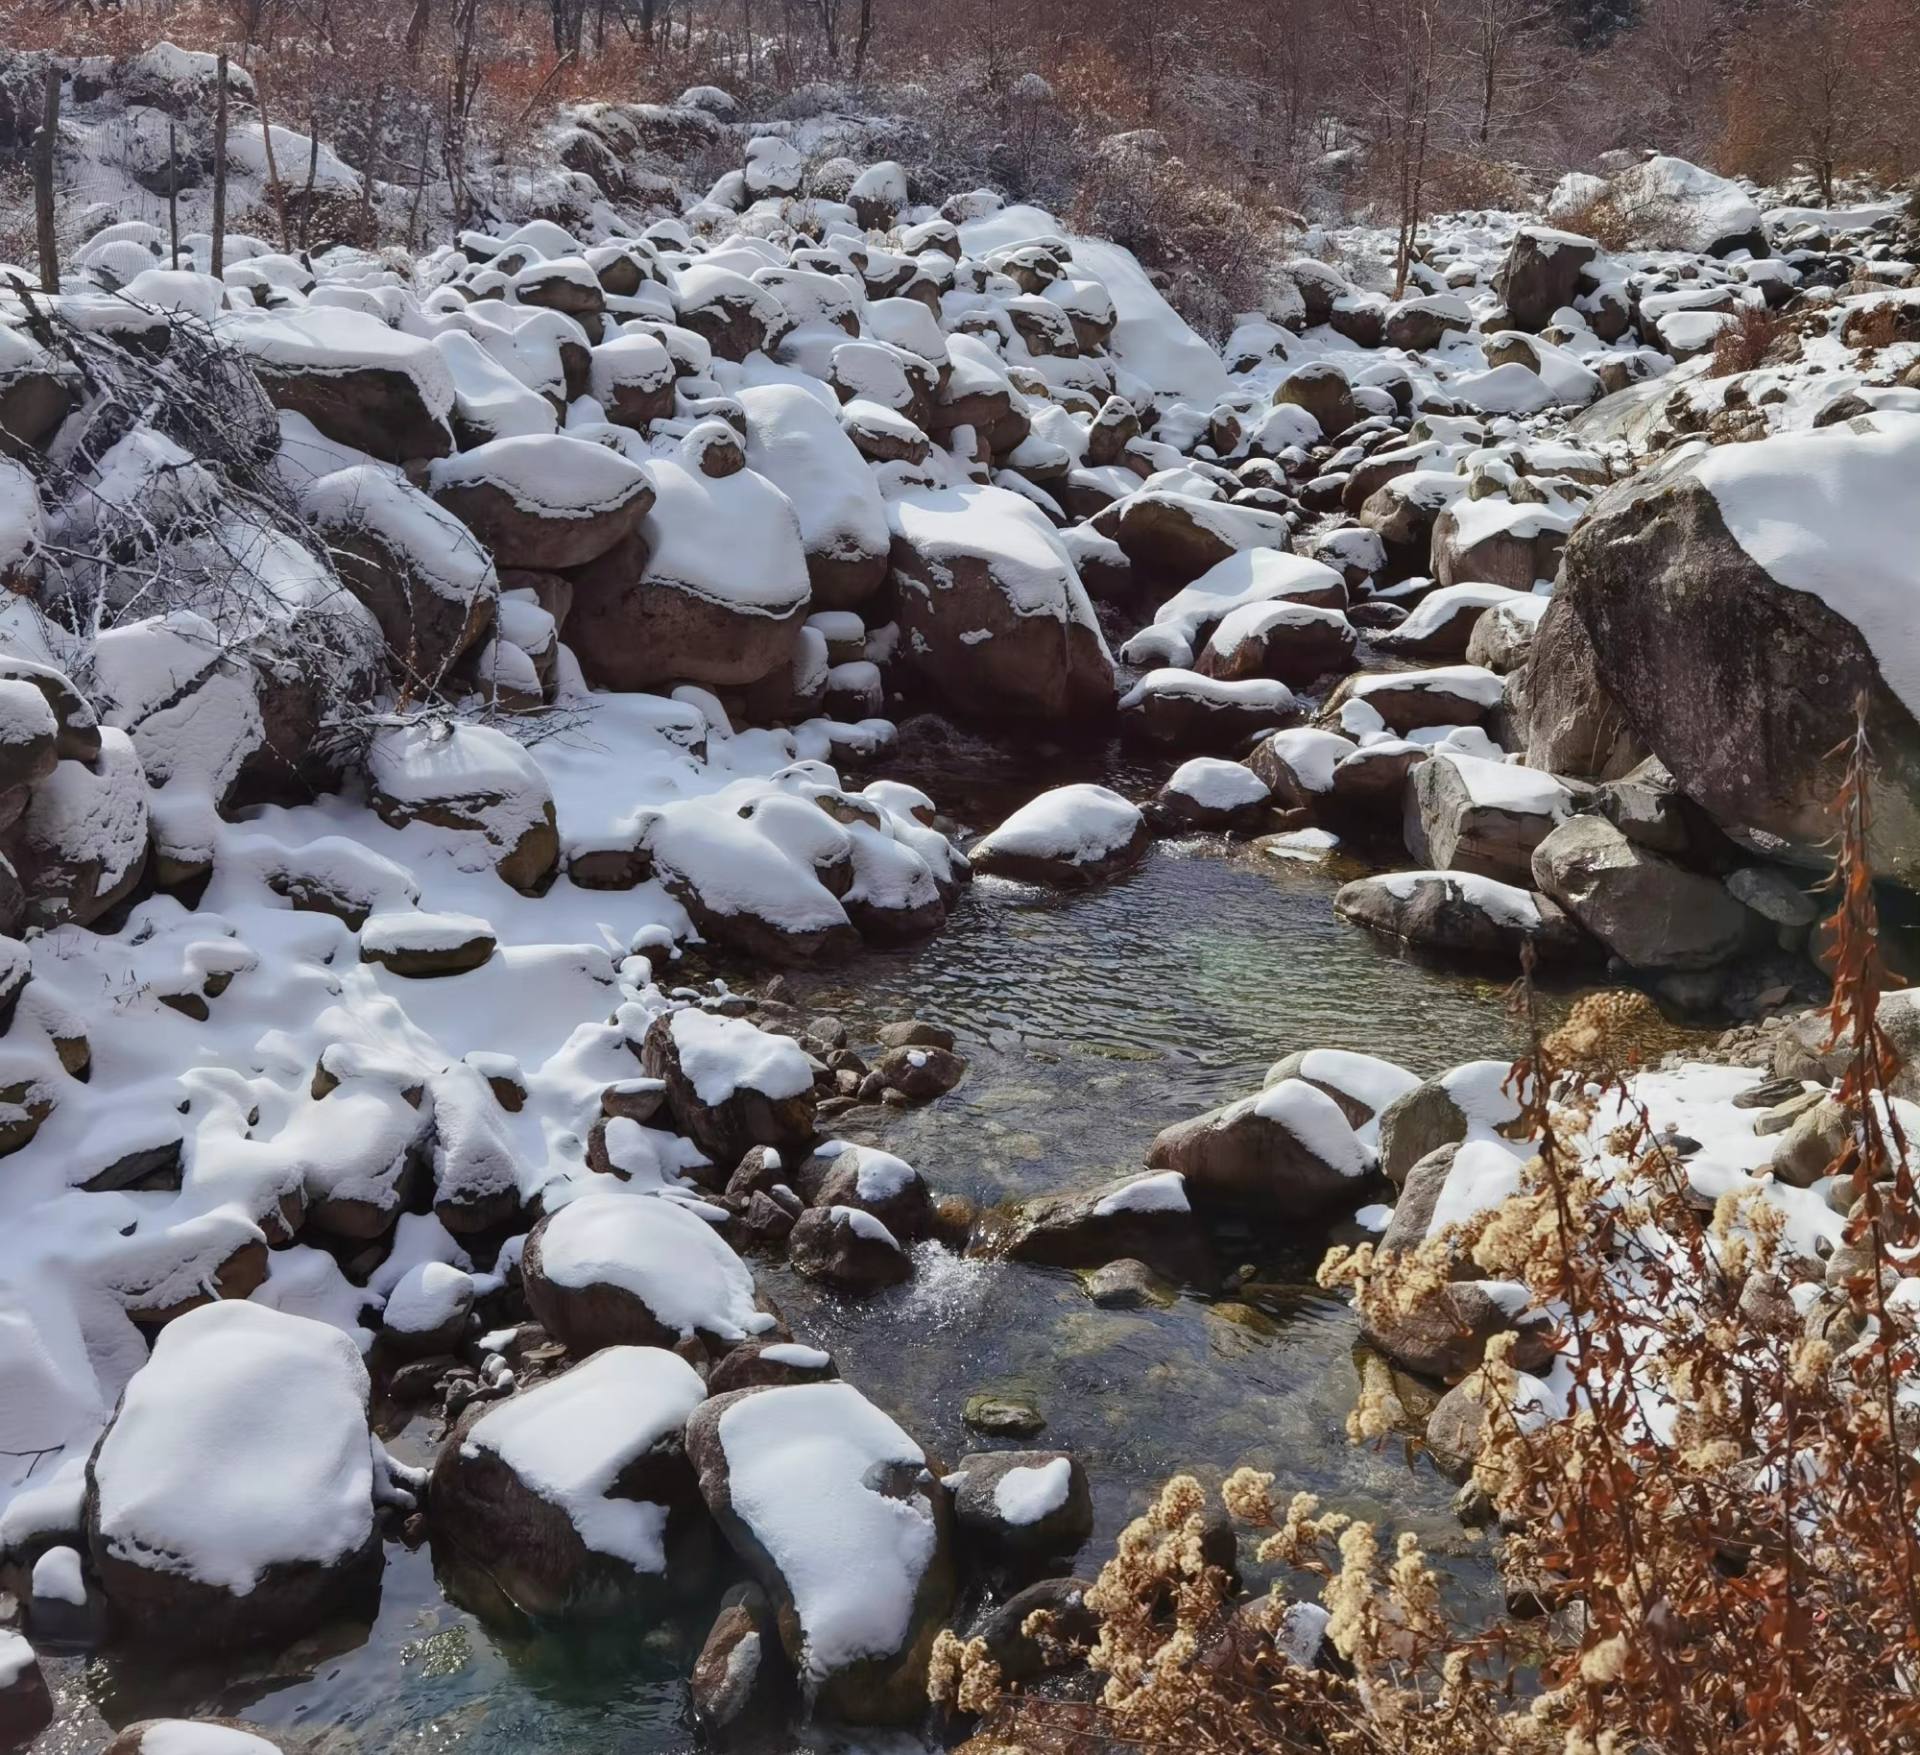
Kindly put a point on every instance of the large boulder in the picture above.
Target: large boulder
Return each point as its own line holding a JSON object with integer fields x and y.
{"x": 362, "y": 384}
{"x": 455, "y": 775}
{"x": 796, "y": 441}
{"x": 1177, "y": 538}
{"x": 231, "y": 1500}
{"x": 1461, "y": 914}
{"x": 1562, "y": 712}
{"x": 420, "y": 571}
{"x": 836, "y": 1513}
{"x": 1143, "y": 1218}
{"x": 1647, "y": 911}
{"x": 544, "y": 501}
{"x": 1739, "y": 602}
{"x": 1467, "y": 813}
{"x": 1079, "y": 834}
{"x": 572, "y": 1495}
{"x": 1287, "y": 1153}
{"x": 730, "y": 1085}
{"x": 711, "y": 589}
{"x": 611, "y": 1270}
{"x": 1541, "y": 273}
{"x": 992, "y": 613}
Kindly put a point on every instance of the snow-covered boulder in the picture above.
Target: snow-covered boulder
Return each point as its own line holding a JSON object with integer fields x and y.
{"x": 1404, "y": 701}
{"x": 362, "y": 384}
{"x": 1021, "y": 1504}
{"x": 711, "y": 589}
{"x": 82, "y": 845}
{"x": 1737, "y": 601}
{"x": 1541, "y": 274}
{"x": 1466, "y": 813}
{"x": 191, "y": 1736}
{"x": 231, "y": 1501}
{"x": 1184, "y": 709}
{"x": 847, "y": 1248}
{"x": 1462, "y": 914}
{"x": 1080, "y": 834}
{"x": 845, "y": 1174}
{"x": 1441, "y": 624}
{"x": 1324, "y": 390}
{"x": 1287, "y": 641}
{"x": 1140, "y": 1218}
{"x": 730, "y": 1085}
{"x": 1680, "y": 206}
{"x": 611, "y": 1270}
{"x": 835, "y": 1512}
{"x": 1208, "y": 793}
{"x": 549, "y": 502}
{"x": 1175, "y": 538}
{"x": 573, "y": 1496}
{"x": 34, "y": 395}
{"x": 1564, "y": 715}
{"x": 991, "y": 611}
{"x": 1287, "y": 1153}
{"x": 428, "y": 582}
{"x": 468, "y": 778}
{"x": 26, "y": 1703}
{"x": 728, "y": 312}
{"x": 796, "y": 441}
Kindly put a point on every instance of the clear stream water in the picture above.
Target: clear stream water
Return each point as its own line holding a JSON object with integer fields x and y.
{"x": 1090, "y": 1021}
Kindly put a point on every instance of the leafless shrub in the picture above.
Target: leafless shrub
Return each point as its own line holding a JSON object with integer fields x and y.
{"x": 1743, "y": 343}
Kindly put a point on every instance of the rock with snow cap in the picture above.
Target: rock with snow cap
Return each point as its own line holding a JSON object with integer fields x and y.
{"x": 847, "y": 1248}
{"x": 1144, "y": 1218}
{"x": 843, "y": 1173}
{"x": 991, "y": 611}
{"x": 549, "y": 502}
{"x": 26, "y": 1703}
{"x": 1469, "y": 814}
{"x": 1175, "y": 538}
{"x": 1184, "y": 709}
{"x": 1022, "y": 1504}
{"x": 730, "y": 1085}
{"x": 836, "y": 1513}
{"x": 1081, "y": 834}
{"x": 711, "y": 589}
{"x": 1287, "y": 1153}
{"x": 1463, "y": 914}
{"x": 643, "y": 1270}
{"x": 575, "y": 1496}
{"x": 231, "y": 1500}
{"x": 468, "y": 777}
{"x": 1207, "y": 793}
{"x": 1541, "y": 274}
{"x": 192, "y": 1736}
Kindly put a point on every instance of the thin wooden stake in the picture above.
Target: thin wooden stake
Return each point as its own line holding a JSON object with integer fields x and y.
{"x": 45, "y": 238}
{"x": 219, "y": 262}
{"x": 273, "y": 171}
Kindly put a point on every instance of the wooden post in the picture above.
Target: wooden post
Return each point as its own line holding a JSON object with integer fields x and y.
{"x": 44, "y": 158}
{"x": 219, "y": 262}
{"x": 173, "y": 195}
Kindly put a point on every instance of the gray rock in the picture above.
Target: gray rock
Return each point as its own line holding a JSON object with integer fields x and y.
{"x": 1647, "y": 911}
{"x": 1022, "y": 1504}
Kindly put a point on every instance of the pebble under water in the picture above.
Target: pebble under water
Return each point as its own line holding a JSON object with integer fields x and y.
{"x": 1090, "y": 1021}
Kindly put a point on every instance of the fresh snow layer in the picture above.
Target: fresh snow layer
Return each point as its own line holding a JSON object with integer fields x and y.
{"x": 1024, "y": 1495}
{"x": 241, "y": 1444}
{"x": 1833, "y": 512}
{"x": 724, "y": 1055}
{"x": 804, "y": 1467}
{"x": 667, "y": 1256}
{"x": 568, "y": 1439}
{"x": 1079, "y": 824}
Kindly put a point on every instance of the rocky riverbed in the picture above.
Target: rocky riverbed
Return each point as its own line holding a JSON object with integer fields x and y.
{"x": 709, "y": 911}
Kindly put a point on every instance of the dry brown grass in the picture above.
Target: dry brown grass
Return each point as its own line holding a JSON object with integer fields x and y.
{"x": 1743, "y": 345}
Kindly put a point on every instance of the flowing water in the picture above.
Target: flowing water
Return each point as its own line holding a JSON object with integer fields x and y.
{"x": 1090, "y": 1021}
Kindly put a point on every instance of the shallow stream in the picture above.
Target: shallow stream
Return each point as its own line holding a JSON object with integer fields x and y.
{"x": 1090, "y": 1021}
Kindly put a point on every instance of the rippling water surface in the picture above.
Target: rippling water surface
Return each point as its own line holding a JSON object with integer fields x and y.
{"x": 1090, "y": 1021}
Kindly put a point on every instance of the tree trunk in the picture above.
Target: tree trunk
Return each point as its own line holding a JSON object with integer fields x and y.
{"x": 861, "y": 41}
{"x": 45, "y": 158}
{"x": 219, "y": 261}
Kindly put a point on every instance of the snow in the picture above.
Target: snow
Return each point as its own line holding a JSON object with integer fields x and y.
{"x": 795, "y": 441}
{"x": 1078, "y": 824}
{"x": 804, "y": 1468}
{"x": 57, "y": 1577}
{"x": 430, "y": 1295}
{"x": 241, "y": 1444}
{"x": 550, "y": 475}
{"x": 181, "y": 1736}
{"x": 1832, "y": 512}
{"x": 1026, "y": 1495}
{"x": 792, "y": 1353}
{"x": 1310, "y": 754}
{"x": 1506, "y": 786}
{"x": 1696, "y": 207}
{"x": 665, "y": 1255}
{"x": 324, "y": 342}
{"x": 1024, "y": 555}
{"x": 413, "y": 930}
{"x": 1505, "y": 903}
{"x": 1216, "y": 784}
{"x": 734, "y": 540}
{"x": 16, "y": 1657}
{"x": 1165, "y": 1192}
{"x": 1316, "y": 1121}
{"x": 570, "y": 1438}
{"x": 724, "y": 1055}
